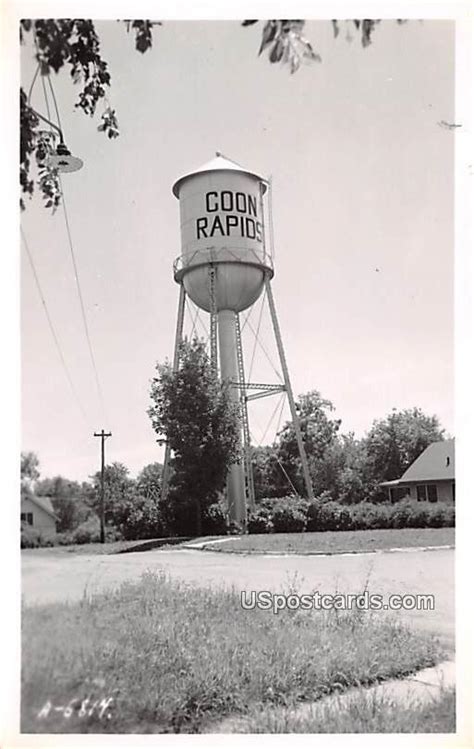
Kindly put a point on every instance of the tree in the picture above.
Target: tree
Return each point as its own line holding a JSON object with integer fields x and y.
{"x": 119, "y": 491}
{"x": 194, "y": 411}
{"x": 393, "y": 443}
{"x": 319, "y": 434}
{"x": 148, "y": 481}
{"x": 267, "y": 474}
{"x": 353, "y": 480}
{"x": 69, "y": 500}
{"x": 75, "y": 45}
{"x": 29, "y": 468}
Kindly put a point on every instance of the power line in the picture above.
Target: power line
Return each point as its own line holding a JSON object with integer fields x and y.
{"x": 81, "y": 300}
{"x": 33, "y": 82}
{"x": 48, "y": 111}
{"x": 51, "y": 327}
{"x": 73, "y": 257}
{"x": 55, "y": 102}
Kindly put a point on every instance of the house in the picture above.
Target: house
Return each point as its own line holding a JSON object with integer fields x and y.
{"x": 38, "y": 512}
{"x": 430, "y": 478}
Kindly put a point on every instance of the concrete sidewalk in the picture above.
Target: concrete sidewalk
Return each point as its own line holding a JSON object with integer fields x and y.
{"x": 420, "y": 689}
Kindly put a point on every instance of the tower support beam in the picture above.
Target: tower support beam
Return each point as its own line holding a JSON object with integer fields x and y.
{"x": 289, "y": 391}
{"x": 177, "y": 344}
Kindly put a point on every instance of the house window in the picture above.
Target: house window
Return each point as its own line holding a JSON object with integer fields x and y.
{"x": 27, "y": 517}
{"x": 427, "y": 492}
{"x": 421, "y": 493}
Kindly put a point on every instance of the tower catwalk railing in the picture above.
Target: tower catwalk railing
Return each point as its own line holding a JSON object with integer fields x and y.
{"x": 247, "y": 449}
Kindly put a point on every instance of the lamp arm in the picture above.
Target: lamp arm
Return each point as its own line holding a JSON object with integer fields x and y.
{"x": 49, "y": 123}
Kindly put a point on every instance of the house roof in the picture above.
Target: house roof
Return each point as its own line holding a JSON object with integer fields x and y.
{"x": 434, "y": 464}
{"x": 43, "y": 502}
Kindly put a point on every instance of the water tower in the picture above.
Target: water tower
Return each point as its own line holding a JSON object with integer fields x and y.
{"x": 224, "y": 267}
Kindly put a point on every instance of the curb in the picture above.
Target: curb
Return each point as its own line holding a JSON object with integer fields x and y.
{"x": 394, "y": 550}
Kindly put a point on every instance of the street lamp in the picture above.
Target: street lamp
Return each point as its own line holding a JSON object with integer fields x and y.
{"x": 61, "y": 159}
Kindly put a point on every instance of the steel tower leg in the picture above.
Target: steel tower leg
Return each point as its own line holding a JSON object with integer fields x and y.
{"x": 247, "y": 450}
{"x": 291, "y": 401}
{"x": 177, "y": 344}
{"x": 230, "y": 372}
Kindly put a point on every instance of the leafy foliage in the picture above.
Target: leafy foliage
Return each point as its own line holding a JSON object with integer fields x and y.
{"x": 364, "y": 26}
{"x": 119, "y": 492}
{"x": 193, "y": 410}
{"x": 395, "y": 442}
{"x": 70, "y": 501}
{"x": 347, "y": 469}
{"x": 143, "y": 33}
{"x": 289, "y": 515}
{"x": 288, "y": 45}
{"x": 29, "y": 466}
{"x": 30, "y": 538}
{"x": 75, "y": 44}
{"x": 319, "y": 432}
{"x": 294, "y": 514}
{"x": 148, "y": 481}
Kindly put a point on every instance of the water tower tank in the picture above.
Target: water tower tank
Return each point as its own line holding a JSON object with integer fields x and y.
{"x": 221, "y": 211}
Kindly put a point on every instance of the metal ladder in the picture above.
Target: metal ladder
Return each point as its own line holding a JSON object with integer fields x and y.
{"x": 213, "y": 316}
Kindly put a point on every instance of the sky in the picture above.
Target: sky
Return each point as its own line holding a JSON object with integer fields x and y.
{"x": 363, "y": 225}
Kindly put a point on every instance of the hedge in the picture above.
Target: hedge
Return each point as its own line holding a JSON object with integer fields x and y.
{"x": 292, "y": 514}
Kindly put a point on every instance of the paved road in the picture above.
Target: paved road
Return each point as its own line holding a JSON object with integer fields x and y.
{"x": 48, "y": 577}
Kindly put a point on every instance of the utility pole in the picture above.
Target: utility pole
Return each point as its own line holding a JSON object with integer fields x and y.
{"x": 103, "y": 435}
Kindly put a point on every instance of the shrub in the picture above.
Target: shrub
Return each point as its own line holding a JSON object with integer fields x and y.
{"x": 328, "y": 516}
{"x": 214, "y": 522}
{"x": 294, "y": 514}
{"x": 30, "y": 538}
{"x": 439, "y": 516}
{"x": 141, "y": 519}
{"x": 87, "y": 533}
{"x": 371, "y": 516}
{"x": 289, "y": 515}
{"x": 288, "y": 520}
{"x": 260, "y": 521}
{"x": 64, "y": 539}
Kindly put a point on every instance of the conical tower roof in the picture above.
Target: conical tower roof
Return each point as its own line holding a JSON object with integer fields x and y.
{"x": 218, "y": 164}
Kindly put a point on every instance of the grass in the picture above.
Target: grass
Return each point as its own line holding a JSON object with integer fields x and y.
{"x": 173, "y": 658}
{"x": 362, "y": 714}
{"x": 110, "y": 547}
{"x": 337, "y": 541}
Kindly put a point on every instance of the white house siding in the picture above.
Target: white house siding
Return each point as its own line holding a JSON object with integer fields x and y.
{"x": 444, "y": 490}
{"x": 42, "y": 520}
